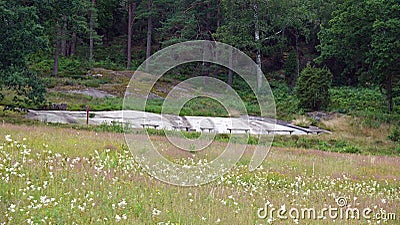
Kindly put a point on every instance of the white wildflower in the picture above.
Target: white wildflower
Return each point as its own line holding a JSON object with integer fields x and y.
{"x": 117, "y": 218}
{"x": 156, "y": 212}
{"x": 8, "y": 138}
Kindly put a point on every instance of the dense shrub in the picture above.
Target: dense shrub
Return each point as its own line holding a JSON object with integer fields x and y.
{"x": 312, "y": 88}
{"x": 92, "y": 83}
{"x": 286, "y": 103}
{"x": 350, "y": 99}
{"x": 291, "y": 67}
{"x": 394, "y": 135}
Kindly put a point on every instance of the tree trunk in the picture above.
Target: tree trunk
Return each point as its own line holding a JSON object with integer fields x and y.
{"x": 230, "y": 72}
{"x": 73, "y": 44}
{"x": 64, "y": 37}
{"x": 149, "y": 32}
{"x": 219, "y": 14}
{"x": 57, "y": 51}
{"x": 91, "y": 28}
{"x": 258, "y": 51}
{"x": 390, "y": 93}
{"x": 207, "y": 65}
{"x": 294, "y": 80}
{"x": 131, "y": 16}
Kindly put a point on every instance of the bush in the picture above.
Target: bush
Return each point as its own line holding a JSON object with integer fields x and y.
{"x": 350, "y": 99}
{"x": 286, "y": 104}
{"x": 50, "y": 82}
{"x": 92, "y": 83}
{"x": 394, "y": 135}
{"x": 72, "y": 66}
{"x": 291, "y": 69}
{"x": 43, "y": 67}
{"x": 108, "y": 64}
{"x": 351, "y": 149}
{"x": 312, "y": 88}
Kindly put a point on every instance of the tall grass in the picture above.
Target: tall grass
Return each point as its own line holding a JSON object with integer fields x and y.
{"x": 58, "y": 175}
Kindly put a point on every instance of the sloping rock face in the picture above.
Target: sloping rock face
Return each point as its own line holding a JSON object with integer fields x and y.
{"x": 136, "y": 119}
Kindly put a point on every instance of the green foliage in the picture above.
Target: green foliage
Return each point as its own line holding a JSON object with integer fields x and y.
{"x": 154, "y": 105}
{"x": 236, "y": 30}
{"x": 20, "y": 34}
{"x": 331, "y": 145}
{"x": 375, "y": 119}
{"x": 68, "y": 66}
{"x": 362, "y": 41}
{"x": 348, "y": 99}
{"x": 291, "y": 66}
{"x": 312, "y": 88}
{"x": 72, "y": 66}
{"x": 191, "y": 135}
{"x": 365, "y": 103}
{"x": 185, "y": 22}
{"x": 92, "y": 83}
{"x": 80, "y": 101}
{"x": 42, "y": 67}
{"x": 345, "y": 39}
{"x": 286, "y": 104}
{"x": 384, "y": 55}
{"x": 106, "y": 104}
{"x": 108, "y": 64}
{"x": 114, "y": 126}
{"x": 27, "y": 88}
{"x": 202, "y": 106}
{"x": 395, "y": 134}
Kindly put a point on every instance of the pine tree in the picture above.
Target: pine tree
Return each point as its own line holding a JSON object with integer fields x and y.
{"x": 20, "y": 34}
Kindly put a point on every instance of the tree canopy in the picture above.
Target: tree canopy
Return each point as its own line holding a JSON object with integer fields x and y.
{"x": 361, "y": 42}
{"x": 21, "y": 34}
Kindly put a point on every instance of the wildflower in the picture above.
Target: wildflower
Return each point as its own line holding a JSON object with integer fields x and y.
{"x": 8, "y": 138}
{"x": 117, "y": 218}
{"x": 81, "y": 208}
{"x": 122, "y": 204}
{"x": 29, "y": 221}
{"x": 11, "y": 208}
{"x": 156, "y": 212}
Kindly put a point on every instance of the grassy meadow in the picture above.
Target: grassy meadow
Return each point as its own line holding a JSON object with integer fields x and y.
{"x": 73, "y": 174}
{"x": 332, "y": 67}
{"x": 51, "y": 175}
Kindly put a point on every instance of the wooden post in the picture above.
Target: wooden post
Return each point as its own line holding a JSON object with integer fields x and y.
{"x": 87, "y": 115}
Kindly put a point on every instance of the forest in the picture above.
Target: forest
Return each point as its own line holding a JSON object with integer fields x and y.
{"x": 357, "y": 42}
